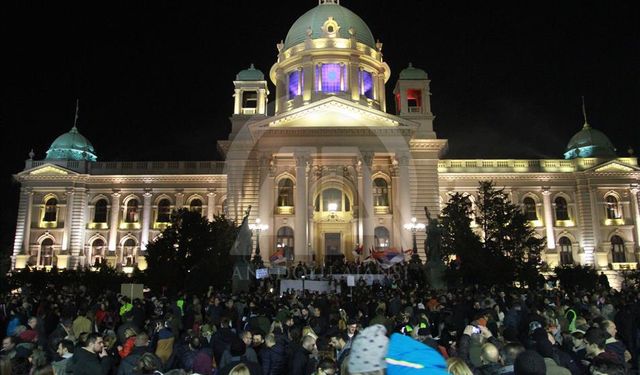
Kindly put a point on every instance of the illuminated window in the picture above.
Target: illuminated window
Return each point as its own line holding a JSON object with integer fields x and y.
{"x": 46, "y": 252}
{"x": 366, "y": 84}
{"x": 295, "y": 84}
{"x": 285, "y": 193}
{"x": 530, "y": 209}
{"x": 249, "y": 99}
{"x": 196, "y": 206}
{"x": 97, "y": 252}
{"x": 331, "y": 77}
{"x": 381, "y": 238}
{"x": 617, "y": 249}
{"x": 128, "y": 252}
{"x": 100, "y": 213}
{"x": 562, "y": 212}
{"x": 331, "y": 200}
{"x": 414, "y": 100}
{"x": 566, "y": 251}
{"x": 50, "y": 210}
{"x": 164, "y": 211}
{"x": 613, "y": 208}
{"x": 284, "y": 239}
{"x": 380, "y": 192}
{"x": 131, "y": 211}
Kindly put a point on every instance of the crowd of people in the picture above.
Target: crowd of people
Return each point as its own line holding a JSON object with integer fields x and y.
{"x": 386, "y": 328}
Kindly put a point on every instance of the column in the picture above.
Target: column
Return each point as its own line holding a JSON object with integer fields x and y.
{"x": 114, "y": 220}
{"x": 211, "y": 203}
{"x": 146, "y": 219}
{"x": 548, "y": 218}
{"x": 262, "y": 100}
{"x": 404, "y": 196}
{"x": 66, "y": 237}
{"x": 281, "y": 90}
{"x": 27, "y": 222}
{"x": 367, "y": 201}
{"x": 300, "y": 234}
{"x": 179, "y": 199}
{"x": 635, "y": 211}
{"x": 266, "y": 204}
{"x": 237, "y": 98}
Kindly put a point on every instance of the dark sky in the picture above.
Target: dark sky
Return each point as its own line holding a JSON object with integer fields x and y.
{"x": 155, "y": 78}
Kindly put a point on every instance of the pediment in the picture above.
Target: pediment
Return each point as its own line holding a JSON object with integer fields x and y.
{"x": 47, "y": 169}
{"x": 614, "y": 166}
{"x": 335, "y": 112}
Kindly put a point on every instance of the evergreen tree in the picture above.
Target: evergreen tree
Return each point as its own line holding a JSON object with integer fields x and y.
{"x": 192, "y": 253}
{"x": 507, "y": 236}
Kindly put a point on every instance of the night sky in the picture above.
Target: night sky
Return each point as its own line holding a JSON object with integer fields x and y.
{"x": 154, "y": 79}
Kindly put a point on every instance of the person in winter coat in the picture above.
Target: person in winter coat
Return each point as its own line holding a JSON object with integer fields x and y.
{"x": 92, "y": 358}
{"x": 302, "y": 362}
{"x": 273, "y": 356}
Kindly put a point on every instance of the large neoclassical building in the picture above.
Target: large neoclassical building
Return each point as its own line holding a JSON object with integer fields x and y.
{"x": 331, "y": 168}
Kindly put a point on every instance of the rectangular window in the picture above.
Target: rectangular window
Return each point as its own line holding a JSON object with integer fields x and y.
{"x": 333, "y": 78}
{"x": 414, "y": 100}
{"x": 249, "y": 99}
{"x": 366, "y": 84}
{"x": 294, "y": 84}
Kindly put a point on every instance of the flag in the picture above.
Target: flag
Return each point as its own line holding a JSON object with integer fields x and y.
{"x": 357, "y": 252}
{"x": 277, "y": 257}
{"x": 388, "y": 257}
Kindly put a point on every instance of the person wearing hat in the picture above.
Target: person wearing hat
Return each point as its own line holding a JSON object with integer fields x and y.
{"x": 368, "y": 351}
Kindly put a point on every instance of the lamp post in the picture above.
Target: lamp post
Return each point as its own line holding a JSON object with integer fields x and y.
{"x": 258, "y": 227}
{"x": 414, "y": 227}
{"x": 303, "y": 277}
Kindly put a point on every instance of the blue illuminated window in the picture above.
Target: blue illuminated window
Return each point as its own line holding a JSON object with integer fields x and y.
{"x": 333, "y": 78}
{"x": 366, "y": 84}
{"x": 295, "y": 87}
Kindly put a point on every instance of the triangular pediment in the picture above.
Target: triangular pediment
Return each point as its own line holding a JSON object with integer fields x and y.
{"x": 614, "y": 166}
{"x": 334, "y": 112}
{"x": 47, "y": 169}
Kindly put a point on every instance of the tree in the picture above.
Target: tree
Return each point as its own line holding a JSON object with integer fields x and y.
{"x": 507, "y": 235}
{"x": 459, "y": 239}
{"x": 192, "y": 253}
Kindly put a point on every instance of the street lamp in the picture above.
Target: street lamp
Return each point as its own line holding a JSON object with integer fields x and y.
{"x": 414, "y": 227}
{"x": 258, "y": 227}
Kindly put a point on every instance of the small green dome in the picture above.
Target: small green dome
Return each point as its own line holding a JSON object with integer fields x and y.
{"x": 251, "y": 74}
{"x": 590, "y": 143}
{"x": 413, "y": 73}
{"x": 315, "y": 18}
{"x": 71, "y": 146}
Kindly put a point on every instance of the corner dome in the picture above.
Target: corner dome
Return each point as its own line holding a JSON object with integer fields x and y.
{"x": 590, "y": 143}
{"x": 251, "y": 74}
{"x": 410, "y": 72}
{"x": 315, "y": 19}
{"x": 71, "y": 146}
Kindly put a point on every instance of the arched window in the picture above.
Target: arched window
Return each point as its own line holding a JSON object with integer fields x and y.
{"x": 380, "y": 192}
{"x": 613, "y": 208}
{"x": 164, "y": 211}
{"x": 366, "y": 84}
{"x": 530, "y": 209}
{"x": 196, "y": 206}
{"x": 46, "y": 252}
{"x": 97, "y": 252}
{"x": 284, "y": 239}
{"x": 100, "y": 213}
{"x": 331, "y": 200}
{"x": 131, "y": 211}
{"x": 50, "y": 210}
{"x": 285, "y": 193}
{"x": 128, "y": 252}
{"x": 562, "y": 212}
{"x": 617, "y": 249}
{"x": 566, "y": 251}
{"x": 381, "y": 236}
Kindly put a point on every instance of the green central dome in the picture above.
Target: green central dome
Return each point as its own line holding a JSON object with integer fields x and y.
{"x": 590, "y": 143}
{"x": 71, "y": 146}
{"x": 315, "y": 19}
